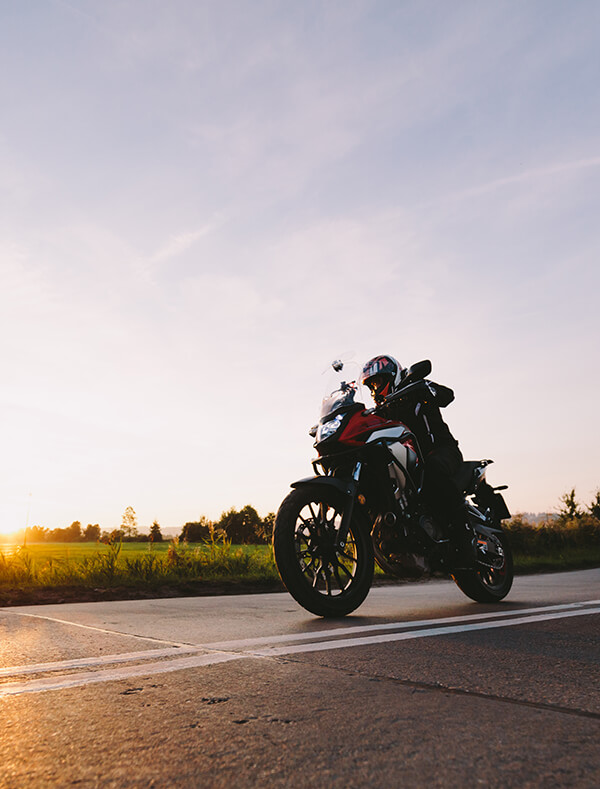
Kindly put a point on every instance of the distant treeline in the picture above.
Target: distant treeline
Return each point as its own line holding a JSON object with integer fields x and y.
{"x": 573, "y": 525}
{"x": 243, "y": 527}
{"x": 91, "y": 533}
{"x": 240, "y": 527}
{"x": 127, "y": 532}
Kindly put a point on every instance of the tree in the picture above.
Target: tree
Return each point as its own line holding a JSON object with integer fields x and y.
{"x": 129, "y": 524}
{"x": 570, "y": 509}
{"x": 73, "y": 532}
{"x": 594, "y": 507}
{"x": 36, "y": 533}
{"x": 198, "y": 531}
{"x": 91, "y": 533}
{"x": 266, "y": 532}
{"x": 155, "y": 533}
{"x": 241, "y": 527}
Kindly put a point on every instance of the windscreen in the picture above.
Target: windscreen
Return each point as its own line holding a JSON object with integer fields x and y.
{"x": 342, "y": 387}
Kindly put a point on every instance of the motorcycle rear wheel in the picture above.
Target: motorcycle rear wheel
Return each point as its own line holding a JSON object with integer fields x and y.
{"x": 488, "y": 584}
{"x": 326, "y": 580}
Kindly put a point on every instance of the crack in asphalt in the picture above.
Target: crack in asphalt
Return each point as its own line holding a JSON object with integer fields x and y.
{"x": 439, "y": 686}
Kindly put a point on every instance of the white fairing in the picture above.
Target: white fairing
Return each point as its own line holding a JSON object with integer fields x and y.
{"x": 396, "y": 432}
{"x": 404, "y": 456}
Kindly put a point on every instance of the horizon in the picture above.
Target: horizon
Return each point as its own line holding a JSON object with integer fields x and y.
{"x": 173, "y": 531}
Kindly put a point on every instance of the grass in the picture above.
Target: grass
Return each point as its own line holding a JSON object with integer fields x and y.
{"x": 133, "y": 564}
{"x": 34, "y": 572}
{"x": 576, "y": 558}
{"x": 80, "y": 550}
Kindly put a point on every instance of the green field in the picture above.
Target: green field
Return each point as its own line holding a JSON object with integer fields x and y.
{"x": 75, "y": 550}
{"x": 43, "y": 552}
{"x": 132, "y": 564}
{"x": 67, "y": 551}
{"x": 32, "y": 572}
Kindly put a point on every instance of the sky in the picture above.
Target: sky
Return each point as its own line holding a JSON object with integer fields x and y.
{"x": 204, "y": 202}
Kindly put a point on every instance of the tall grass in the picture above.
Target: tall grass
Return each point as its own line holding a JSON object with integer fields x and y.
{"x": 554, "y": 544}
{"x": 215, "y": 560}
{"x": 552, "y": 537}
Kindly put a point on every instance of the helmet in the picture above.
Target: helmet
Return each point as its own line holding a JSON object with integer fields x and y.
{"x": 382, "y": 374}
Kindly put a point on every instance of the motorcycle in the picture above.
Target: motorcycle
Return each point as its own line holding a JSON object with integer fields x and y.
{"x": 363, "y": 505}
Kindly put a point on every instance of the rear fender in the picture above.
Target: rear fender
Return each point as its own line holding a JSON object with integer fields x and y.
{"x": 487, "y": 497}
{"x": 499, "y": 507}
{"x": 479, "y": 522}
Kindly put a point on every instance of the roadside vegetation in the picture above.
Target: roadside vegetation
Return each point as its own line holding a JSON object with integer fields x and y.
{"x": 234, "y": 553}
{"x": 571, "y": 538}
{"x": 136, "y": 564}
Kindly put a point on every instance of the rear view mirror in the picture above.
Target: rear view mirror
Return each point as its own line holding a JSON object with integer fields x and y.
{"x": 419, "y": 370}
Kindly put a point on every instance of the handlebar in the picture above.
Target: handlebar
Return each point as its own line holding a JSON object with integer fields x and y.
{"x": 408, "y": 389}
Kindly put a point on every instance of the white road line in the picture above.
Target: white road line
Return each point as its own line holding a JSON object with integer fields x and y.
{"x": 194, "y": 661}
{"x": 412, "y": 634}
{"x": 102, "y": 660}
{"x": 126, "y": 672}
{"x": 91, "y": 627}
{"x": 342, "y": 631}
{"x": 307, "y": 636}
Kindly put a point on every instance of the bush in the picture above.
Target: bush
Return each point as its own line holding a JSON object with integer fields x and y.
{"x": 554, "y": 535}
{"x": 198, "y": 531}
{"x": 246, "y": 527}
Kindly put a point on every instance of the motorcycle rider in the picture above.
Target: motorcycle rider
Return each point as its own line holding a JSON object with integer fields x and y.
{"x": 420, "y": 412}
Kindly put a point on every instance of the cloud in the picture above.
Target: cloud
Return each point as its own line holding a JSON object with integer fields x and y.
{"x": 179, "y": 244}
{"x": 535, "y": 174}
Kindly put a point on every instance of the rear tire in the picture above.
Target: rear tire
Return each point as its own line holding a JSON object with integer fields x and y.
{"x": 326, "y": 580}
{"x": 488, "y": 584}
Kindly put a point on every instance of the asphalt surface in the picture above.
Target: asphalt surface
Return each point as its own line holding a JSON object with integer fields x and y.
{"x": 420, "y": 687}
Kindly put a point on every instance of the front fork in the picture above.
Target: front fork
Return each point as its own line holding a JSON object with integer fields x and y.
{"x": 342, "y": 535}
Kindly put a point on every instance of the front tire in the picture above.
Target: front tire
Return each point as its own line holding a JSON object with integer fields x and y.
{"x": 488, "y": 584}
{"x": 326, "y": 580}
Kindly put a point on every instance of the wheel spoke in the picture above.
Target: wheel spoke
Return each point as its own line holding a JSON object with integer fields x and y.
{"x": 346, "y": 570}
{"x": 334, "y": 514}
{"x": 316, "y": 575}
{"x": 316, "y": 518}
{"x": 323, "y": 513}
{"x": 308, "y": 523}
{"x": 322, "y": 576}
{"x": 327, "y": 579}
{"x": 336, "y": 572}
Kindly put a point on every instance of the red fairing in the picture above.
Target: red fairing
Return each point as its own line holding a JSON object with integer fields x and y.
{"x": 361, "y": 425}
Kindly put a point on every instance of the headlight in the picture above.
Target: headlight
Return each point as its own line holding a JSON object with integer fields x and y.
{"x": 327, "y": 429}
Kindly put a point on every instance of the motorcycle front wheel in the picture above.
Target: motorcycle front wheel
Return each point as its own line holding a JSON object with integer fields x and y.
{"x": 488, "y": 584}
{"x": 326, "y": 579}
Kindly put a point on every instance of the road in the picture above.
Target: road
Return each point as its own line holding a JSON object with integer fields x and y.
{"x": 420, "y": 687}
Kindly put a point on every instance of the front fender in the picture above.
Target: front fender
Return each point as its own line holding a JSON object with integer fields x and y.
{"x": 345, "y": 486}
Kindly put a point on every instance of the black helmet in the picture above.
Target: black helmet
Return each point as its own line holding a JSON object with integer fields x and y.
{"x": 382, "y": 374}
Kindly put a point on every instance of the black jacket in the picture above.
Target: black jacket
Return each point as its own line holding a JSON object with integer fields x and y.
{"x": 420, "y": 412}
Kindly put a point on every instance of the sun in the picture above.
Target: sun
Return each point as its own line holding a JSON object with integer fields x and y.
{"x": 7, "y": 530}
